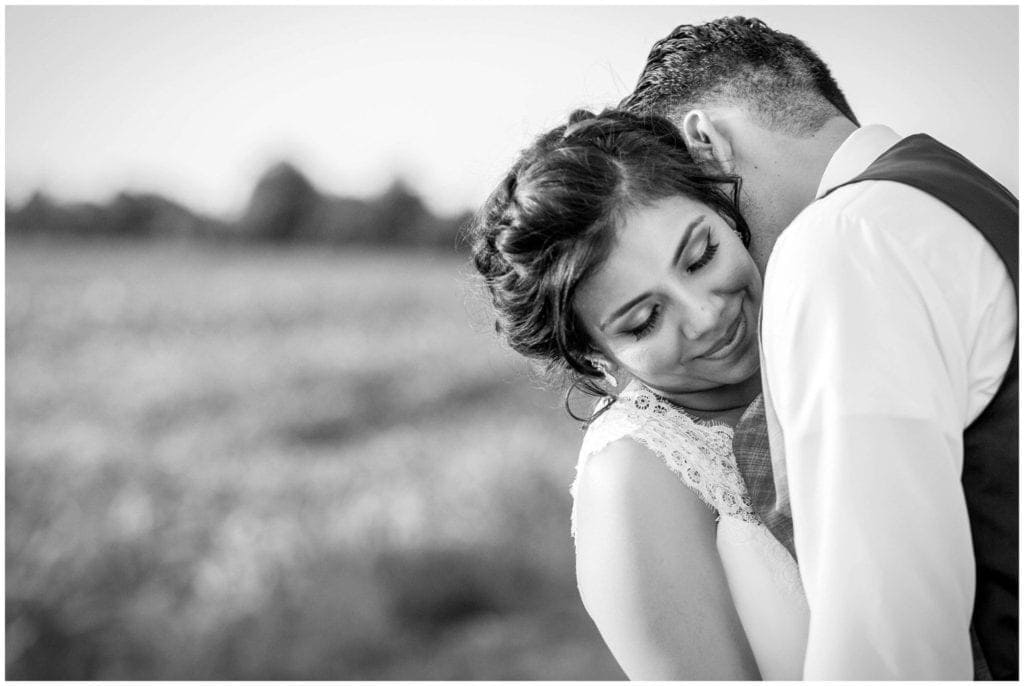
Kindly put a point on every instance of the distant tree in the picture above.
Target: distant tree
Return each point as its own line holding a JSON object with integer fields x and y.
{"x": 42, "y": 215}
{"x": 37, "y": 215}
{"x": 343, "y": 220}
{"x": 127, "y": 215}
{"x": 148, "y": 214}
{"x": 400, "y": 214}
{"x": 282, "y": 202}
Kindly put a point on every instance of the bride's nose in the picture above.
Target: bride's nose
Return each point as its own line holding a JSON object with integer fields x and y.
{"x": 701, "y": 315}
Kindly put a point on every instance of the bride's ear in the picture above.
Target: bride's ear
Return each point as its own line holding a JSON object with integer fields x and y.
{"x": 606, "y": 367}
{"x": 708, "y": 146}
{"x": 601, "y": 363}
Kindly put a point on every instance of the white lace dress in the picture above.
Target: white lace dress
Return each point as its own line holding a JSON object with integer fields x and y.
{"x": 762, "y": 576}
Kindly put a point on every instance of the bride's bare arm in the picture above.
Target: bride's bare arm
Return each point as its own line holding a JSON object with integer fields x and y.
{"x": 649, "y": 571}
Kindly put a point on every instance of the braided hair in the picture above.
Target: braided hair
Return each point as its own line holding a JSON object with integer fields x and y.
{"x": 551, "y": 222}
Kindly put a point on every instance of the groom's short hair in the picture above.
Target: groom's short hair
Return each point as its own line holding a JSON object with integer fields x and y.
{"x": 740, "y": 62}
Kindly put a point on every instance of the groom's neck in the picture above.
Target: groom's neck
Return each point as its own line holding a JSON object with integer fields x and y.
{"x": 810, "y": 155}
{"x": 785, "y": 179}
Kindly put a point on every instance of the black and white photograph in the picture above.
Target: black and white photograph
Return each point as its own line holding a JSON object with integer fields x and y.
{"x": 519, "y": 342}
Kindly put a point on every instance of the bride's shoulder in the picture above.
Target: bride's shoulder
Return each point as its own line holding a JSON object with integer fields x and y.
{"x": 627, "y": 508}
{"x": 618, "y": 465}
{"x": 625, "y": 484}
{"x": 626, "y": 450}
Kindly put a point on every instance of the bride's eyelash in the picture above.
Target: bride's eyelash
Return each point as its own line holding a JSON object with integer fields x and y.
{"x": 645, "y": 328}
{"x": 709, "y": 254}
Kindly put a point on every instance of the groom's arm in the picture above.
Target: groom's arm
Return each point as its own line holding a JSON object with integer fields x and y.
{"x": 866, "y": 377}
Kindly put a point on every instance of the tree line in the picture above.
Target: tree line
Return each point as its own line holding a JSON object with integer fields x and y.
{"x": 285, "y": 207}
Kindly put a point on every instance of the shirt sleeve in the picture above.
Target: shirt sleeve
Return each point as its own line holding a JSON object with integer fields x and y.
{"x": 865, "y": 375}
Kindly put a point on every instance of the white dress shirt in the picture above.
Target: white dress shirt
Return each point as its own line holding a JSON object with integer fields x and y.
{"x": 887, "y": 326}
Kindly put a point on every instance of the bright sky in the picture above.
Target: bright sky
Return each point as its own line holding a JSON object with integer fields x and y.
{"x": 195, "y": 102}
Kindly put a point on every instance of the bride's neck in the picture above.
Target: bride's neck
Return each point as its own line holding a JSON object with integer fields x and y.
{"x": 724, "y": 403}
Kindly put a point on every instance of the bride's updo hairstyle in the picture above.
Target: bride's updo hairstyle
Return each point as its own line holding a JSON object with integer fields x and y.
{"x": 551, "y": 222}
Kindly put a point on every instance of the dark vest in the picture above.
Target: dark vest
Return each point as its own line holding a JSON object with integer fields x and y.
{"x": 990, "y": 472}
{"x": 991, "y": 453}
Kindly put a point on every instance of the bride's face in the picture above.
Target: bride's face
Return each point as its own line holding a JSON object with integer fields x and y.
{"x": 676, "y": 302}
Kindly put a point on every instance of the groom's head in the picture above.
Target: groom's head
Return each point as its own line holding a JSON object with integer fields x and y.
{"x": 752, "y": 102}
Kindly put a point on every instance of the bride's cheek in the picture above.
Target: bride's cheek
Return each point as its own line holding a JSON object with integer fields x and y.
{"x": 637, "y": 357}
{"x": 740, "y": 276}
{"x": 735, "y": 273}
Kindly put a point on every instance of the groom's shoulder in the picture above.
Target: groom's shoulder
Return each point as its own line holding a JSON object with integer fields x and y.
{"x": 870, "y": 201}
{"x": 864, "y": 208}
{"x": 857, "y": 219}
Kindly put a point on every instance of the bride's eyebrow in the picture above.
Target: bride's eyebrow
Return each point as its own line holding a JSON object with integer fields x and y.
{"x": 686, "y": 239}
{"x": 622, "y": 310}
{"x": 687, "y": 232}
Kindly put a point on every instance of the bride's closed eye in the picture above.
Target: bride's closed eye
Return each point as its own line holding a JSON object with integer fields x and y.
{"x": 709, "y": 254}
{"x": 648, "y": 325}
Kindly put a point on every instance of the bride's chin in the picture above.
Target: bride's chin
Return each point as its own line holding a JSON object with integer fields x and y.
{"x": 743, "y": 374}
{"x": 689, "y": 389}
{"x": 750, "y": 363}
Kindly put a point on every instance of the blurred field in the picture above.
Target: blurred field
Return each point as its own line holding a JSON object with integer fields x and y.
{"x": 279, "y": 463}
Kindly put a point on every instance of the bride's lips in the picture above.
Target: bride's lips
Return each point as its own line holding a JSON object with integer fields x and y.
{"x": 737, "y": 331}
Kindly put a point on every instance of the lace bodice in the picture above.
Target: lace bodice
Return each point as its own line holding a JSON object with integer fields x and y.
{"x": 698, "y": 451}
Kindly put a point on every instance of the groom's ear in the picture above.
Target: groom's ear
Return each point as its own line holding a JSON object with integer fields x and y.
{"x": 707, "y": 145}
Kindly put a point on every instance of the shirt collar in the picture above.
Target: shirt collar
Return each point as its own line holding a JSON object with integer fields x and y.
{"x": 857, "y": 152}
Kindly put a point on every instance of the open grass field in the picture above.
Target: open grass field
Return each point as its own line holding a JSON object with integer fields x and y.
{"x": 256, "y": 463}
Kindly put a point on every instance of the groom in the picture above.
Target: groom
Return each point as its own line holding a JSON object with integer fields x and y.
{"x": 889, "y": 359}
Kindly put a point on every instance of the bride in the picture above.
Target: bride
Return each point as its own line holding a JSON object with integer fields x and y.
{"x": 609, "y": 256}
